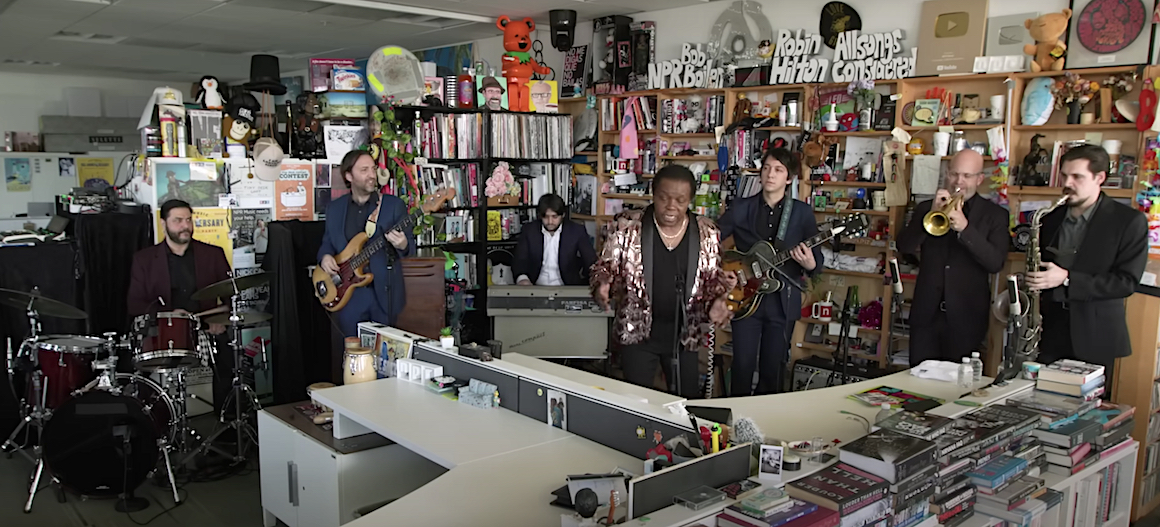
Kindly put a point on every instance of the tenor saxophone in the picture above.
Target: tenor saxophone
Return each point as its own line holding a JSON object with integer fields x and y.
{"x": 1033, "y": 329}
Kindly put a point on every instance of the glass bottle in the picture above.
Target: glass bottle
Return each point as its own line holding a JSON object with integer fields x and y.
{"x": 466, "y": 89}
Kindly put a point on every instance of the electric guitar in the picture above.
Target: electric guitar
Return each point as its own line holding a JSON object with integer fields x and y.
{"x": 755, "y": 268}
{"x": 334, "y": 290}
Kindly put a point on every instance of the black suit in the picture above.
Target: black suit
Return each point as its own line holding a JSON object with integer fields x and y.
{"x": 575, "y": 257}
{"x": 1108, "y": 264}
{"x": 761, "y": 340}
{"x": 954, "y": 268}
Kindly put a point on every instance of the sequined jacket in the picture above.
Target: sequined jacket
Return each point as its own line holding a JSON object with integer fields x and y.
{"x": 625, "y": 262}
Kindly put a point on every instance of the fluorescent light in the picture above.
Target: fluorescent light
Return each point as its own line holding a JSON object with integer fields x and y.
{"x": 397, "y": 8}
{"x": 101, "y": 2}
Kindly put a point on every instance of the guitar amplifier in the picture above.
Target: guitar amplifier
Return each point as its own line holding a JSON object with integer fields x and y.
{"x": 817, "y": 372}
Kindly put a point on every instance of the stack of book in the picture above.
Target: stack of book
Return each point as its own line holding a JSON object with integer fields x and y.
{"x": 1072, "y": 378}
{"x": 905, "y": 461}
{"x": 772, "y": 507}
{"x": 858, "y": 498}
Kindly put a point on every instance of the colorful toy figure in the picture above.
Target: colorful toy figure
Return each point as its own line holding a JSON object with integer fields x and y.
{"x": 518, "y": 64}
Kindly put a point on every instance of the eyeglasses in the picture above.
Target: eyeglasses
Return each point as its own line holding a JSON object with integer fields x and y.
{"x": 963, "y": 174}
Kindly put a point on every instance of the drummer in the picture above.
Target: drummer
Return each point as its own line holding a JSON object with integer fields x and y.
{"x": 166, "y": 275}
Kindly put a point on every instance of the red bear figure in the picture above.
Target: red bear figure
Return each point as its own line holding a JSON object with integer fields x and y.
{"x": 518, "y": 64}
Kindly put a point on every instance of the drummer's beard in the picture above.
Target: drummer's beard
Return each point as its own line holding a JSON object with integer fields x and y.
{"x": 180, "y": 237}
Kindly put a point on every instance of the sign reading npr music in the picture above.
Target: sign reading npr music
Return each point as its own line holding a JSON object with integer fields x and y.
{"x": 856, "y": 56}
{"x": 693, "y": 70}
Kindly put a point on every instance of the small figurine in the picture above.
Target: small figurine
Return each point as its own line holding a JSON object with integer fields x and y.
{"x": 238, "y": 124}
{"x": 765, "y": 49}
{"x": 207, "y": 93}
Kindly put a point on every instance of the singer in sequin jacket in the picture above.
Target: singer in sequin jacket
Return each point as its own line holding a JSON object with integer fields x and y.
{"x": 622, "y": 263}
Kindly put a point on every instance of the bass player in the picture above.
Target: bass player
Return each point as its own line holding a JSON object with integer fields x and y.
{"x": 761, "y": 340}
{"x": 366, "y": 210}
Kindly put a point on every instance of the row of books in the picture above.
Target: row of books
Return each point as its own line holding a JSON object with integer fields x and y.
{"x": 504, "y": 224}
{"x": 644, "y": 163}
{"x": 737, "y": 184}
{"x": 459, "y": 227}
{"x": 465, "y": 179}
{"x": 449, "y": 136}
{"x": 464, "y": 270}
{"x": 746, "y": 147}
{"x": 675, "y": 113}
{"x": 523, "y": 136}
{"x": 613, "y": 110}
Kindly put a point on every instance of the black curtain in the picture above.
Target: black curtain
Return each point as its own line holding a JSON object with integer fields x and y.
{"x": 107, "y": 245}
{"x": 301, "y": 327}
{"x": 54, "y": 269}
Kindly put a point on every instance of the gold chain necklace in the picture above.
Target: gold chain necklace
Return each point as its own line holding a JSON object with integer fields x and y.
{"x": 669, "y": 237}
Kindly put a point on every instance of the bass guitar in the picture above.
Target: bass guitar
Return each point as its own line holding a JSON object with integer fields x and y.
{"x": 755, "y": 268}
{"x": 334, "y": 290}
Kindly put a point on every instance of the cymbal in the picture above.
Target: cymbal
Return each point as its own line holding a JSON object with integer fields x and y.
{"x": 43, "y": 306}
{"x": 225, "y": 288}
{"x": 247, "y": 318}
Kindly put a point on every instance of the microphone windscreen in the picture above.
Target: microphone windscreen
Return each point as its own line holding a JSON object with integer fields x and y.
{"x": 745, "y": 430}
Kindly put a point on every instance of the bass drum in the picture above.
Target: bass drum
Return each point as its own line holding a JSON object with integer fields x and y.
{"x": 85, "y": 441}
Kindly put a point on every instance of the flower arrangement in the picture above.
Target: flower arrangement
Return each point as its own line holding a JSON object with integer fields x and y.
{"x": 1072, "y": 88}
{"x": 1121, "y": 84}
{"x": 501, "y": 182}
{"x": 862, "y": 90}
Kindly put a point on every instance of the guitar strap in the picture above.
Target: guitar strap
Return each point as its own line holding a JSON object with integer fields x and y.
{"x": 782, "y": 227}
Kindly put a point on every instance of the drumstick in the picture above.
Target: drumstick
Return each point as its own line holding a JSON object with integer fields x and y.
{"x": 220, "y": 309}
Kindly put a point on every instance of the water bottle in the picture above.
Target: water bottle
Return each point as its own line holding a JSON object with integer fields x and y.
{"x": 976, "y": 367}
{"x": 883, "y": 413}
{"x": 965, "y": 374}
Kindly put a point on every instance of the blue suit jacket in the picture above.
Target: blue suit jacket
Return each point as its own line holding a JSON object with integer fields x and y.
{"x": 740, "y": 221}
{"x": 388, "y": 283}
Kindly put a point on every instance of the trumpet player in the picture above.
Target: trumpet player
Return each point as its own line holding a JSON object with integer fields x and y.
{"x": 1094, "y": 253}
{"x": 959, "y": 244}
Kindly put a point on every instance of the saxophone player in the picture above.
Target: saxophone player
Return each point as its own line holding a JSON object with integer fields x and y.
{"x": 1094, "y": 252}
{"x": 949, "y": 315}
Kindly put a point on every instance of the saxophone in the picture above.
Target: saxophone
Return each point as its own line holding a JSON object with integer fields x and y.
{"x": 1028, "y": 348}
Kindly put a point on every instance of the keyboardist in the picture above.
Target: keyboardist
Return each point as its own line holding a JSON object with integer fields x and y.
{"x": 553, "y": 251}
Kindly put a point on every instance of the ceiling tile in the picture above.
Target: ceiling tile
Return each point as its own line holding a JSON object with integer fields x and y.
{"x": 177, "y": 7}
{"x": 53, "y": 9}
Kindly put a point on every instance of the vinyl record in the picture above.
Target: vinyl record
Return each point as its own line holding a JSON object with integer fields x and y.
{"x": 1108, "y": 26}
{"x": 838, "y": 17}
{"x": 908, "y": 112}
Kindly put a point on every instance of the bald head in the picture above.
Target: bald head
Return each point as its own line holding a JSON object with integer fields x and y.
{"x": 965, "y": 173}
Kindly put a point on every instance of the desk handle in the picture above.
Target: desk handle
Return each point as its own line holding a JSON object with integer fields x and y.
{"x": 292, "y": 479}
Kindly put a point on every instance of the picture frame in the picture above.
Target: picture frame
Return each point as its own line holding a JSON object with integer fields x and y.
{"x": 1083, "y": 31}
{"x": 770, "y": 463}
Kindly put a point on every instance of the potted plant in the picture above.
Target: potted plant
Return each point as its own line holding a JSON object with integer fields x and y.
{"x": 446, "y": 339}
{"x": 862, "y": 90}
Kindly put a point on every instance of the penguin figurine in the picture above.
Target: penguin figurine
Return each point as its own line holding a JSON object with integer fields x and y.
{"x": 207, "y": 94}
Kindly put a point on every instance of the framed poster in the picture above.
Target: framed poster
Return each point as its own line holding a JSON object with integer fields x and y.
{"x": 1006, "y": 35}
{"x": 1108, "y": 33}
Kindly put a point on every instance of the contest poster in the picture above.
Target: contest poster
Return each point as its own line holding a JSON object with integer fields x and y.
{"x": 544, "y": 97}
{"x": 94, "y": 173}
{"x": 196, "y": 183}
{"x": 18, "y": 174}
{"x": 210, "y": 225}
{"x": 294, "y": 192}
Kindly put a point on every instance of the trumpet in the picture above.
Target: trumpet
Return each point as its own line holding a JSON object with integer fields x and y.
{"x": 936, "y": 222}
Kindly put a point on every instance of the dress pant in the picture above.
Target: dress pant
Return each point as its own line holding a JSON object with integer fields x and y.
{"x": 760, "y": 343}
{"x": 933, "y": 340}
{"x": 362, "y": 307}
{"x": 639, "y": 363}
{"x": 1055, "y": 342}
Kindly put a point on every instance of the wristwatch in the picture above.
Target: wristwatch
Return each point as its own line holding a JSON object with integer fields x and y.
{"x": 1066, "y": 281}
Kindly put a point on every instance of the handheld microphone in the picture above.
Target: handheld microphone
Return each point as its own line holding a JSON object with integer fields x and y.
{"x": 896, "y": 276}
{"x": 1013, "y": 295}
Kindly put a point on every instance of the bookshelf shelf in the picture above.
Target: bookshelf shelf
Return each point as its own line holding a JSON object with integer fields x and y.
{"x": 691, "y": 136}
{"x": 869, "y": 212}
{"x": 832, "y": 348}
{"x": 854, "y": 274}
{"x": 860, "y": 133}
{"x": 855, "y": 184}
{"x": 1083, "y": 128}
{"x": 957, "y": 127}
{"x": 1058, "y": 191}
{"x": 689, "y": 158}
{"x": 637, "y": 197}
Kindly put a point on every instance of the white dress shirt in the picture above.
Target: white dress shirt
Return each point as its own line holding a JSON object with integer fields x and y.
{"x": 550, "y": 266}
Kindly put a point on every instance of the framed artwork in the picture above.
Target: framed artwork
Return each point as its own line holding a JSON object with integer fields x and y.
{"x": 1108, "y": 33}
{"x": 1006, "y": 35}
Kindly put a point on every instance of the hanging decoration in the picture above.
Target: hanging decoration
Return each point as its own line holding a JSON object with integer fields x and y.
{"x": 693, "y": 70}
{"x": 793, "y": 59}
{"x": 875, "y": 56}
{"x": 837, "y": 18}
{"x": 731, "y": 41}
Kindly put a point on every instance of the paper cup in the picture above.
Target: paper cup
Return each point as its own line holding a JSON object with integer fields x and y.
{"x": 1112, "y": 146}
{"x": 998, "y": 106}
{"x": 942, "y": 143}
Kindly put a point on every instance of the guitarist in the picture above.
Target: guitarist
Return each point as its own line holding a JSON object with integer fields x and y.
{"x": 761, "y": 340}
{"x": 361, "y": 210}
{"x": 952, "y": 299}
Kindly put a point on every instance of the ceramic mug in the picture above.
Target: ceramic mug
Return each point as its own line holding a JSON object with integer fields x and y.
{"x": 822, "y": 310}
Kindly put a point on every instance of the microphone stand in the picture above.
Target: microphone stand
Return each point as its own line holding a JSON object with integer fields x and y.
{"x": 678, "y": 318}
{"x": 843, "y": 342}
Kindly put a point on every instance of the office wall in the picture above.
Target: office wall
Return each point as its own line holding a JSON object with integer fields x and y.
{"x": 24, "y": 97}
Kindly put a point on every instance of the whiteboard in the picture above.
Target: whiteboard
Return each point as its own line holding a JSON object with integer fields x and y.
{"x": 45, "y": 181}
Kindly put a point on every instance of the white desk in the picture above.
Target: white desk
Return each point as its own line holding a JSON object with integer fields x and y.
{"x": 503, "y": 465}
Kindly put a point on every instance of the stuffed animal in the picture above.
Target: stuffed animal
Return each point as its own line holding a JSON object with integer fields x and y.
{"x": 694, "y": 116}
{"x": 518, "y": 64}
{"x": 1048, "y": 50}
{"x": 207, "y": 93}
{"x": 238, "y": 123}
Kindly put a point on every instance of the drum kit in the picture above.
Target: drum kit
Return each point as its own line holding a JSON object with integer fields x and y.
{"x": 100, "y": 432}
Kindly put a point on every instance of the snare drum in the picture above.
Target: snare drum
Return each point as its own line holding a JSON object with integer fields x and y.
{"x": 65, "y": 363}
{"x": 167, "y": 341}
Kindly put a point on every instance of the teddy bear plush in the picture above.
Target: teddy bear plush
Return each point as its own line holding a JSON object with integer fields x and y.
{"x": 1048, "y": 50}
{"x": 518, "y": 64}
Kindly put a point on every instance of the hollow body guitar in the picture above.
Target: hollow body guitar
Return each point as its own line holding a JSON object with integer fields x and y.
{"x": 334, "y": 290}
{"x": 755, "y": 268}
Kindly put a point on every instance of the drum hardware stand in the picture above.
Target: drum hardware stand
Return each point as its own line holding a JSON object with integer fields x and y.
{"x": 240, "y": 423}
{"x": 165, "y": 447}
{"x": 128, "y": 502}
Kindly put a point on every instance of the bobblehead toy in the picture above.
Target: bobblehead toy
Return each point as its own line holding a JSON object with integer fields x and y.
{"x": 518, "y": 64}
{"x": 208, "y": 95}
{"x": 238, "y": 124}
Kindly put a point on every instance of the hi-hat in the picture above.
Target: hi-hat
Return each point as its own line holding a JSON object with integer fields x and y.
{"x": 225, "y": 288}
{"x": 43, "y": 306}
{"x": 244, "y": 319}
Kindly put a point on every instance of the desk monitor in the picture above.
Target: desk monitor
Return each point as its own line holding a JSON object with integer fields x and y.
{"x": 653, "y": 492}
